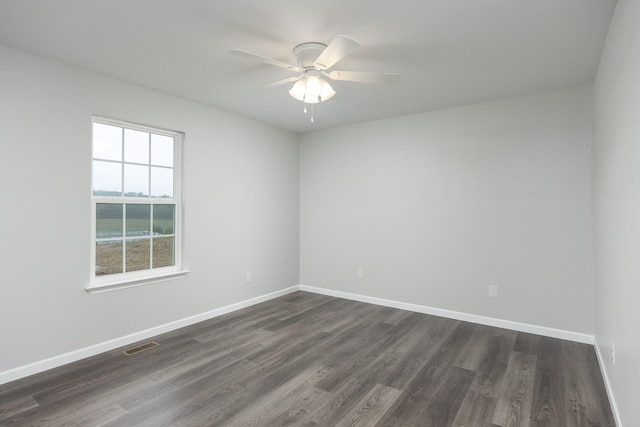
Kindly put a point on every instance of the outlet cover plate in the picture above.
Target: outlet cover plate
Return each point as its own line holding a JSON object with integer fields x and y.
{"x": 493, "y": 291}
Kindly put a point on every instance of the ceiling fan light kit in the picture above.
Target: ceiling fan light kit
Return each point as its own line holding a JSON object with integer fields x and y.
{"x": 313, "y": 61}
{"x": 312, "y": 89}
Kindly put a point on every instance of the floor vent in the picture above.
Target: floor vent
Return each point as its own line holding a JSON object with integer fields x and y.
{"x": 140, "y": 348}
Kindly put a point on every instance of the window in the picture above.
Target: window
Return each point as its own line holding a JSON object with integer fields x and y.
{"x": 136, "y": 204}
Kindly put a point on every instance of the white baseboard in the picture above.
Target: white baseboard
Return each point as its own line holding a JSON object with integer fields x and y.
{"x": 489, "y": 321}
{"x": 607, "y": 384}
{"x": 73, "y": 356}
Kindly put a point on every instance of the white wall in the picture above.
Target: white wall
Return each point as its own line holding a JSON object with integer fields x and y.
{"x": 241, "y": 201}
{"x": 616, "y": 186}
{"x": 436, "y": 207}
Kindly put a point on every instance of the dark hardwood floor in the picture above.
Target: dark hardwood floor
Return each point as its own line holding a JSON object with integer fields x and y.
{"x": 312, "y": 360}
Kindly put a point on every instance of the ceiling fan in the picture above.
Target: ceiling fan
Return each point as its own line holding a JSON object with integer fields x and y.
{"x": 314, "y": 61}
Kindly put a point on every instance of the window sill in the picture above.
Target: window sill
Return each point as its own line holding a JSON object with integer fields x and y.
{"x": 133, "y": 282}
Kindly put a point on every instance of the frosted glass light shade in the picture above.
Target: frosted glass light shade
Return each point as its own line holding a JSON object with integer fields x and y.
{"x": 327, "y": 91}
{"x": 298, "y": 90}
{"x": 313, "y": 86}
{"x": 312, "y": 90}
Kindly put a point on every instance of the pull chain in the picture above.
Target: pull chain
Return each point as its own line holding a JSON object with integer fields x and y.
{"x": 306, "y": 111}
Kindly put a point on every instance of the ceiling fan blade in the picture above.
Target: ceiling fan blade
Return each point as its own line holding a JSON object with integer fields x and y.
{"x": 340, "y": 47}
{"x": 277, "y": 83}
{"x": 364, "y": 77}
{"x": 270, "y": 61}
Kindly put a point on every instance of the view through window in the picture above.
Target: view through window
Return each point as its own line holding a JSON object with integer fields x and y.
{"x": 135, "y": 199}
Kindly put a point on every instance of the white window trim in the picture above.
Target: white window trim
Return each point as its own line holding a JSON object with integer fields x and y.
{"x": 99, "y": 284}
{"x": 130, "y": 282}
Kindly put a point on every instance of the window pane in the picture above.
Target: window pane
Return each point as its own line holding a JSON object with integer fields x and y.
{"x": 136, "y": 181}
{"x": 108, "y": 220}
{"x": 138, "y": 254}
{"x": 138, "y": 220}
{"x": 136, "y": 146}
{"x": 107, "y": 142}
{"x": 107, "y": 178}
{"x": 161, "y": 182}
{"x": 163, "y": 252}
{"x": 108, "y": 257}
{"x": 161, "y": 150}
{"x": 163, "y": 219}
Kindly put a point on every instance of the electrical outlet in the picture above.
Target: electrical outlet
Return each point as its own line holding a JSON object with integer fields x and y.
{"x": 493, "y": 291}
{"x": 360, "y": 273}
{"x": 613, "y": 352}
{"x": 247, "y": 277}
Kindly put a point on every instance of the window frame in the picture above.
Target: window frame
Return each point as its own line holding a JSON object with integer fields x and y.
{"x": 104, "y": 283}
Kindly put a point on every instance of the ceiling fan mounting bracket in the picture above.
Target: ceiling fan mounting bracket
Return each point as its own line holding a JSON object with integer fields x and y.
{"x": 307, "y": 53}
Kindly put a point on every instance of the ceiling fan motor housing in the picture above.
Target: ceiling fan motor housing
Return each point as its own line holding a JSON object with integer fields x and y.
{"x": 307, "y": 53}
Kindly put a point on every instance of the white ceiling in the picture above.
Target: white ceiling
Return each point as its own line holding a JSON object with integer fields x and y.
{"x": 447, "y": 52}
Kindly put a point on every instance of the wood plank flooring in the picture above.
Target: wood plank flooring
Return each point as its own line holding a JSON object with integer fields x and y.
{"x": 313, "y": 360}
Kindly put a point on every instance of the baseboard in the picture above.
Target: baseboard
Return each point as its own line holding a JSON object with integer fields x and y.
{"x": 489, "y": 321}
{"x": 73, "y": 356}
{"x": 607, "y": 384}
